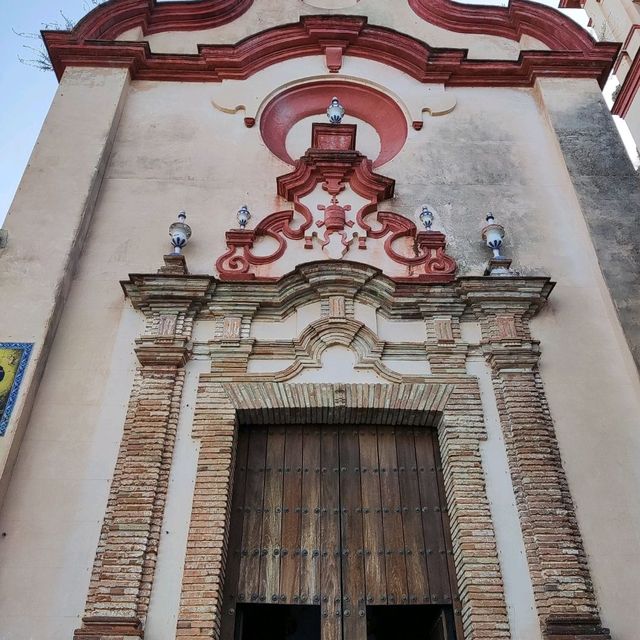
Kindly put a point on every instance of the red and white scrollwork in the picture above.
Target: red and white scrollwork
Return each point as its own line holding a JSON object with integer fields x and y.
{"x": 334, "y": 164}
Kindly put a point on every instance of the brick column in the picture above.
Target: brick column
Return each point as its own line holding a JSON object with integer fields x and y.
{"x": 215, "y": 428}
{"x": 481, "y": 597}
{"x": 475, "y": 553}
{"x": 563, "y": 591}
{"x": 124, "y": 567}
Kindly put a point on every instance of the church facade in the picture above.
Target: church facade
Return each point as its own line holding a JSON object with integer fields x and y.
{"x": 381, "y": 375}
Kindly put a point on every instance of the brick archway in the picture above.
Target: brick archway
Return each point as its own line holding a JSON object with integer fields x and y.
{"x": 443, "y": 404}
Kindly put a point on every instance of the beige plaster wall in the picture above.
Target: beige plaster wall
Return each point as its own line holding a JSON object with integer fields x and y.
{"x": 633, "y": 119}
{"x": 52, "y": 514}
{"x": 173, "y": 149}
{"x": 48, "y": 221}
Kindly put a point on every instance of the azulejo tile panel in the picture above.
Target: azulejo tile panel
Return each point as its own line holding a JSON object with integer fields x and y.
{"x": 14, "y": 357}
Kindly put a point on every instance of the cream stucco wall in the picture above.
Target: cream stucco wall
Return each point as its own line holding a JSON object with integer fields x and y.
{"x": 496, "y": 151}
{"x": 48, "y": 221}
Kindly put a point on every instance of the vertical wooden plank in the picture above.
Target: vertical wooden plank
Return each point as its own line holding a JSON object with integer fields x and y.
{"x": 440, "y": 630}
{"x": 249, "y": 581}
{"x": 354, "y": 622}
{"x": 374, "y": 558}
{"x": 272, "y": 522}
{"x": 234, "y": 547}
{"x": 446, "y": 523}
{"x": 437, "y": 563}
{"x": 310, "y": 589}
{"x": 291, "y": 517}
{"x": 396, "y": 568}
{"x": 417, "y": 576}
{"x": 330, "y": 577}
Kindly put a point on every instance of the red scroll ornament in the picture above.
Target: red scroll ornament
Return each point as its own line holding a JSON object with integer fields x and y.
{"x": 334, "y": 163}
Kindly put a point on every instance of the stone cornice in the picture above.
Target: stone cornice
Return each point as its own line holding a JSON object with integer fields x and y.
{"x": 314, "y": 281}
{"x": 162, "y": 352}
{"x": 522, "y": 295}
{"x": 103, "y": 626}
{"x": 579, "y": 57}
{"x": 111, "y": 19}
{"x": 520, "y": 18}
{"x": 167, "y": 292}
{"x": 513, "y": 357}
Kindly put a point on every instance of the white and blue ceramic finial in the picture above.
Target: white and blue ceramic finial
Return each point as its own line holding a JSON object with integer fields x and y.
{"x": 335, "y": 112}
{"x": 180, "y": 233}
{"x": 244, "y": 215}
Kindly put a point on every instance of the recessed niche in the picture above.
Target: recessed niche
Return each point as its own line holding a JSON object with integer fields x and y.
{"x": 298, "y": 138}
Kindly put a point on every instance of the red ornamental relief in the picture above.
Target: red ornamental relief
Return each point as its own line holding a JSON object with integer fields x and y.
{"x": 93, "y": 43}
{"x": 335, "y": 221}
{"x": 521, "y": 17}
{"x": 334, "y": 163}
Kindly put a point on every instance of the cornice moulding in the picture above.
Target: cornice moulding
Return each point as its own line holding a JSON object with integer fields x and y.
{"x": 319, "y": 35}
{"x": 109, "y": 20}
{"x": 519, "y": 18}
{"x": 313, "y": 281}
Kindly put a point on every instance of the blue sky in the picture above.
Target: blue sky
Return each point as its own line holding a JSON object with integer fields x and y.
{"x": 25, "y": 92}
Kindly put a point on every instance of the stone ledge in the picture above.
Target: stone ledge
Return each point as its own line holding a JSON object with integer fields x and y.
{"x": 576, "y": 627}
{"x": 107, "y": 627}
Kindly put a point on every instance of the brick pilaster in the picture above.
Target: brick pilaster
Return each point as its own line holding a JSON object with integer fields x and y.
{"x": 125, "y": 562}
{"x": 223, "y": 398}
{"x": 123, "y": 571}
{"x": 475, "y": 553}
{"x": 558, "y": 566}
{"x": 201, "y": 596}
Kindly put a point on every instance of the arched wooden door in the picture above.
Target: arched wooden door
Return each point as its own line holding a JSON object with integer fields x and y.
{"x": 338, "y": 533}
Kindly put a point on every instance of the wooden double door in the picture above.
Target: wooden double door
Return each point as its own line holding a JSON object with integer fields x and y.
{"x": 334, "y": 531}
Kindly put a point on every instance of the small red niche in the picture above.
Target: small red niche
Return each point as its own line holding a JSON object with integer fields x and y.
{"x": 371, "y": 105}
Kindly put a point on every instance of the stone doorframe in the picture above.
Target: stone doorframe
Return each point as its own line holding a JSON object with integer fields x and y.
{"x": 451, "y": 405}
{"x": 172, "y": 299}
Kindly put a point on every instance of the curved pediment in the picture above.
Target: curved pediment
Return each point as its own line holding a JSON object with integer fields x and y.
{"x": 111, "y": 19}
{"x": 215, "y": 63}
{"x": 521, "y": 17}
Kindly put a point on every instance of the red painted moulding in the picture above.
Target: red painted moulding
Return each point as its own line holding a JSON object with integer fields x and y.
{"x": 311, "y": 37}
{"x": 360, "y": 101}
{"x": 109, "y": 20}
{"x": 520, "y": 18}
{"x": 332, "y": 160}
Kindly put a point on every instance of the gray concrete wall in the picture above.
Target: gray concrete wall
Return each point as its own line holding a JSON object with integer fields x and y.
{"x": 606, "y": 185}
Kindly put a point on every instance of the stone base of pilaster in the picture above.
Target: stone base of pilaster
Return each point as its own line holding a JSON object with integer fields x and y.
{"x": 109, "y": 628}
{"x": 175, "y": 264}
{"x": 575, "y": 628}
